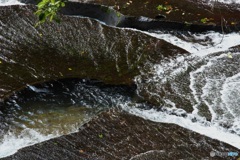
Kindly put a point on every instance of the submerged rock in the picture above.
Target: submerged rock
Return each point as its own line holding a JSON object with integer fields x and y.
{"x": 78, "y": 47}
{"x": 119, "y": 135}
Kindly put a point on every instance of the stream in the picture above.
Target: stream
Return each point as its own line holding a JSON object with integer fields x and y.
{"x": 207, "y": 79}
{"x": 199, "y": 91}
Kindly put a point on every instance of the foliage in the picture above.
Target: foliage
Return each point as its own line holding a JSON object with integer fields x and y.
{"x": 118, "y": 14}
{"x": 100, "y": 135}
{"x": 164, "y": 7}
{"x": 206, "y": 20}
{"x": 47, "y": 10}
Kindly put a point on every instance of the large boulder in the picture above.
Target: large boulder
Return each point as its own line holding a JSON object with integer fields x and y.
{"x": 78, "y": 47}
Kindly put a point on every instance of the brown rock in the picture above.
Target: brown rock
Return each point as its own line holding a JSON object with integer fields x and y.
{"x": 119, "y": 135}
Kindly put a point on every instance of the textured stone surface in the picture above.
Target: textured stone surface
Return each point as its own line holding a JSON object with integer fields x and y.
{"x": 185, "y": 15}
{"x": 85, "y": 48}
{"x": 191, "y": 11}
{"x": 78, "y": 47}
{"x": 119, "y": 135}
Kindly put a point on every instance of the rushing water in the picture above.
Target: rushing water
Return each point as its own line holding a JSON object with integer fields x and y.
{"x": 9, "y": 2}
{"x": 206, "y": 82}
{"x": 53, "y": 109}
{"x": 226, "y": 1}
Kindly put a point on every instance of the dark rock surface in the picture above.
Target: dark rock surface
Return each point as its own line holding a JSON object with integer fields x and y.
{"x": 119, "y": 135}
{"x": 102, "y": 13}
{"x": 85, "y": 48}
{"x": 183, "y": 16}
{"x": 78, "y": 47}
{"x": 186, "y": 15}
{"x": 191, "y": 11}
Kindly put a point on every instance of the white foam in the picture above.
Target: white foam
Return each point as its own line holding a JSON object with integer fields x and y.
{"x": 227, "y": 1}
{"x": 214, "y": 132}
{"x": 204, "y": 92}
{"x": 229, "y": 92}
{"x": 216, "y": 42}
{"x": 203, "y": 45}
{"x": 11, "y": 143}
{"x": 35, "y": 89}
{"x": 193, "y": 81}
{"x": 10, "y": 2}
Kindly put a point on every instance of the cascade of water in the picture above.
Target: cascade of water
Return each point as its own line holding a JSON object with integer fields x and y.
{"x": 202, "y": 87}
{"x": 200, "y": 81}
{"x": 207, "y": 81}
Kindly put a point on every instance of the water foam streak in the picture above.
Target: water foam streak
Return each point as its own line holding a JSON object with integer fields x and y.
{"x": 211, "y": 131}
{"x": 10, "y": 2}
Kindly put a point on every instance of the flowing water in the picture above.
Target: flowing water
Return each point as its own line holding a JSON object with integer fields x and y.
{"x": 205, "y": 82}
{"x": 199, "y": 91}
{"x": 9, "y": 2}
{"x": 226, "y": 1}
{"x": 55, "y": 108}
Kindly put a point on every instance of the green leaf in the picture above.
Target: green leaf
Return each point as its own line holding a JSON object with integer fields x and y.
{"x": 51, "y": 17}
{"x": 38, "y": 12}
{"x": 62, "y": 4}
{"x": 160, "y": 7}
{"x": 164, "y": 7}
{"x": 41, "y": 4}
{"x": 100, "y": 136}
{"x": 204, "y": 20}
{"x": 47, "y": 10}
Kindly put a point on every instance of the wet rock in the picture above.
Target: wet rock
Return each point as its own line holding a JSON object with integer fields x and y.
{"x": 119, "y": 135}
{"x": 220, "y": 17}
{"x": 169, "y": 87}
{"x": 160, "y": 16}
{"x": 146, "y": 21}
{"x": 78, "y": 47}
{"x": 102, "y": 13}
{"x": 147, "y": 24}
